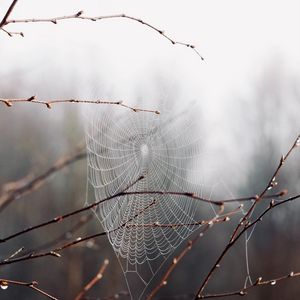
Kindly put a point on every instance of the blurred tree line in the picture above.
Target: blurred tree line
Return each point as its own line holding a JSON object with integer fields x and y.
{"x": 261, "y": 125}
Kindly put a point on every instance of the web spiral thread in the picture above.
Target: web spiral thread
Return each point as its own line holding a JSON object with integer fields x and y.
{"x": 165, "y": 150}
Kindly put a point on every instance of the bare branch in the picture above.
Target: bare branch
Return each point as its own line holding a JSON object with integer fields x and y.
{"x": 32, "y": 285}
{"x": 245, "y": 224}
{"x": 10, "y": 34}
{"x": 258, "y": 282}
{"x": 79, "y": 15}
{"x": 120, "y": 194}
{"x": 15, "y": 190}
{"x": 49, "y": 103}
{"x": 185, "y": 250}
{"x": 55, "y": 252}
{"x": 9, "y": 11}
{"x": 66, "y": 236}
{"x": 94, "y": 280}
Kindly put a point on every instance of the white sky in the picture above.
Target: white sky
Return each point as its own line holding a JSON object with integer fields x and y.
{"x": 236, "y": 38}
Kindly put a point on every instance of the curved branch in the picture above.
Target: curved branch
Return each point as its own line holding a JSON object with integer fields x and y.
{"x": 79, "y": 15}
{"x": 32, "y": 285}
{"x": 49, "y": 103}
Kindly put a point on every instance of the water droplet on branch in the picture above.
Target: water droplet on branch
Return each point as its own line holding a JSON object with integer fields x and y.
{"x": 4, "y": 285}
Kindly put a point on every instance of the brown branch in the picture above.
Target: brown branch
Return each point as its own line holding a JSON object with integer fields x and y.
{"x": 79, "y": 15}
{"x": 272, "y": 183}
{"x": 68, "y": 215}
{"x": 14, "y": 254}
{"x": 93, "y": 281}
{"x": 12, "y": 33}
{"x": 186, "y": 249}
{"x": 184, "y": 194}
{"x": 49, "y": 103}
{"x": 15, "y": 190}
{"x": 244, "y": 224}
{"x": 258, "y": 282}
{"x": 32, "y": 285}
{"x": 55, "y": 252}
{"x": 219, "y": 219}
{"x": 120, "y": 194}
{"x": 9, "y": 11}
{"x": 66, "y": 236}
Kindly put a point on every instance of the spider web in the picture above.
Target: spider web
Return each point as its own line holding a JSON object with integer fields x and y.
{"x": 166, "y": 150}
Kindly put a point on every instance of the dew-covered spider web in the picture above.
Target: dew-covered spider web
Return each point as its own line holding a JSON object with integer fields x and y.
{"x": 139, "y": 153}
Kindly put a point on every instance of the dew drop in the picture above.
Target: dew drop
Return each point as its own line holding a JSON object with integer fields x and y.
{"x": 4, "y": 285}
{"x": 273, "y": 282}
{"x": 144, "y": 150}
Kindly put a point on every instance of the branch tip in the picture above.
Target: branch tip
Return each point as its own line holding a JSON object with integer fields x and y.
{"x": 8, "y": 103}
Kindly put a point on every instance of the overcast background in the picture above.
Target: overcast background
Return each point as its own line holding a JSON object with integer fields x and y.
{"x": 247, "y": 91}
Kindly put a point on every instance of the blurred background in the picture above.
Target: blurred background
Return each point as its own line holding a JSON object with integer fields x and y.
{"x": 248, "y": 93}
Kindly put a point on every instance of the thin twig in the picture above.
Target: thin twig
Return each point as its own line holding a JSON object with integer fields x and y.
{"x": 65, "y": 216}
{"x": 12, "y": 33}
{"x": 55, "y": 252}
{"x": 218, "y": 219}
{"x": 270, "y": 185}
{"x": 120, "y": 194}
{"x": 244, "y": 224}
{"x": 23, "y": 187}
{"x": 79, "y": 15}
{"x": 93, "y": 281}
{"x": 15, "y": 254}
{"x": 32, "y": 285}
{"x": 50, "y": 103}
{"x": 66, "y": 236}
{"x": 258, "y": 282}
{"x": 185, "y": 250}
{"x": 9, "y": 11}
